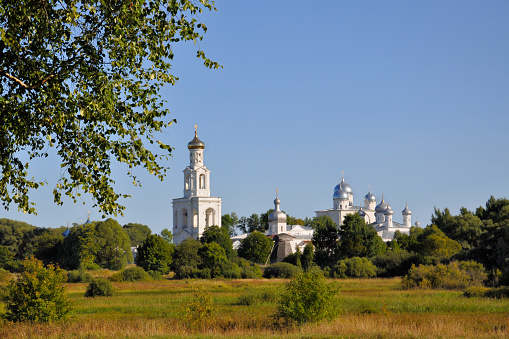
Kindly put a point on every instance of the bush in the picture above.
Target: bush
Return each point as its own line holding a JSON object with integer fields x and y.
{"x": 475, "y": 291}
{"x": 452, "y": 276}
{"x": 394, "y": 263}
{"x": 79, "y": 276}
{"x": 99, "y": 287}
{"x": 199, "y": 312}
{"x": 249, "y": 269}
{"x": 4, "y": 275}
{"x": 307, "y": 297}
{"x": 131, "y": 274}
{"x": 281, "y": 270}
{"x": 38, "y": 294}
{"x": 354, "y": 268}
{"x": 155, "y": 275}
{"x": 483, "y": 292}
{"x": 258, "y": 298}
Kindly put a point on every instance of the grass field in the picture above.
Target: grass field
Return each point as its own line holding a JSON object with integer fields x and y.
{"x": 370, "y": 308}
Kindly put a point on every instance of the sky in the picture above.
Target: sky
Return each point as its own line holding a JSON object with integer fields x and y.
{"x": 408, "y": 97}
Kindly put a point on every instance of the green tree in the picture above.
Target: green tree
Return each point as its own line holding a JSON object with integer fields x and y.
{"x": 114, "y": 246}
{"x": 220, "y": 236}
{"x": 325, "y": 239}
{"x": 255, "y": 247}
{"x": 359, "y": 239}
{"x": 83, "y": 77}
{"x": 38, "y": 294}
{"x": 465, "y": 228}
{"x": 137, "y": 233}
{"x": 43, "y": 243}
{"x": 251, "y": 224}
{"x": 11, "y": 233}
{"x": 229, "y": 222}
{"x": 212, "y": 257}
{"x": 307, "y": 298}
{"x": 435, "y": 245}
{"x": 167, "y": 236}
{"x": 186, "y": 258}
{"x": 307, "y": 257}
{"x": 155, "y": 254}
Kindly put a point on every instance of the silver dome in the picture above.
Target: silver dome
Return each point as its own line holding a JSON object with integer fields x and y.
{"x": 340, "y": 194}
{"x": 277, "y": 215}
{"x": 343, "y": 185}
{"x": 388, "y": 211}
{"x": 370, "y": 197}
{"x": 381, "y": 206}
{"x": 406, "y": 211}
{"x": 361, "y": 213}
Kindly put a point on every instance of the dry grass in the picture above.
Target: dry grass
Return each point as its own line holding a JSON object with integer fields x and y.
{"x": 369, "y": 308}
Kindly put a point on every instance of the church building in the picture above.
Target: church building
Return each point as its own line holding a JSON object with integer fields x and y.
{"x": 197, "y": 209}
{"x": 379, "y": 216}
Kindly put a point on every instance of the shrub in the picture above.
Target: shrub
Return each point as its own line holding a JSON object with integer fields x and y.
{"x": 354, "y": 268}
{"x": 4, "y": 275}
{"x": 197, "y": 313}
{"x": 307, "y": 297}
{"x": 394, "y": 263}
{"x": 99, "y": 287}
{"x": 79, "y": 276}
{"x": 249, "y": 269}
{"x": 38, "y": 294}
{"x": 155, "y": 275}
{"x": 452, "y": 276}
{"x": 230, "y": 270}
{"x": 131, "y": 274}
{"x": 258, "y": 298}
{"x": 155, "y": 254}
{"x": 281, "y": 270}
{"x": 499, "y": 293}
{"x": 475, "y": 291}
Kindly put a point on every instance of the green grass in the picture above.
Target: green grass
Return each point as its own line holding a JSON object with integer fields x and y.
{"x": 369, "y": 308}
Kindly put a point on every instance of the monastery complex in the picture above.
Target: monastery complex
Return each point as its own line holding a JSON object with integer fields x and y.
{"x": 198, "y": 210}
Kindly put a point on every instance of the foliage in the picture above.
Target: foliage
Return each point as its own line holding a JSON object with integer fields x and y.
{"x": 186, "y": 258}
{"x": 354, "y": 268}
{"x": 83, "y": 77}
{"x": 11, "y": 233}
{"x": 114, "y": 246}
{"x": 325, "y": 239}
{"x": 99, "y": 287}
{"x": 294, "y": 258}
{"x": 394, "y": 263}
{"x": 199, "y": 311}
{"x": 38, "y": 294}
{"x": 281, "y": 270}
{"x": 359, "y": 239}
{"x": 4, "y": 275}
{"x": 249, "y": 269}
{"x": 307, "y": 297}
{"x": 212, "y": 257}
{"x": 307, "y": 257}
{"x": 43, "y": 243}
{"x": 167, "y": 236}
{"x": 255, "y": 247}
{"x": 251, "y": 224}
{"x": 137, "y": 233}
{"x": 229, "y": 222}
{"x": 455, "y": 275}
{"x": 131, "y": 274}
{"x": 220, "y": 236}
{"x": 79, "y": 276}
{"x": 6, "y": 258}
{"x": 465, "y": 228}
{"x": 98, "y": 244}
{"x": 155, "y": 254}
{"x": 258, "y": 298}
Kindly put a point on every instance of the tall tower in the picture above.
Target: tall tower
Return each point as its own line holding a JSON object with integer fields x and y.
{"x": 197, "y": 209}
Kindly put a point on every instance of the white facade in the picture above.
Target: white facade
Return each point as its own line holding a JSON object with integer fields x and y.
{"x": 379, "y": 216}
{"x": 197, "y": 209}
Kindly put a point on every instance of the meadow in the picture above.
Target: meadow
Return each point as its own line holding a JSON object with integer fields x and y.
{"x": 369, "y": 308}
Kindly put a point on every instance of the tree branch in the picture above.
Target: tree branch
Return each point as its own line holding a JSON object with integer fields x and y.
{"x": 4, "y": 73}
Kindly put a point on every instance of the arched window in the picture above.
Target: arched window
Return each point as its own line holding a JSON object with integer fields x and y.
{"x": 195, "y": 218}
{"x": 175, "y": 221}
{"x": 209, "y": 217}
{"x": 188, "y": 182}
{"x": 184, "y": 218}
{"x": 202, "y": 181}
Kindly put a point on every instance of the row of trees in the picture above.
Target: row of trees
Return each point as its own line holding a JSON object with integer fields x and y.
{"x": 96, "y": 244}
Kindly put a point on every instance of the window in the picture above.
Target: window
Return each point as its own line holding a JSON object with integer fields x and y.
{"x": 202, "y": 181}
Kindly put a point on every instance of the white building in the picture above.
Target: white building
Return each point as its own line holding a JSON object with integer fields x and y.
{"x": 197, "y": 209}
{"x": 379, "y": 216}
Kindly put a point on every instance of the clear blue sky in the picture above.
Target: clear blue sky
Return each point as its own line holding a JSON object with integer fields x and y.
{"x": 409, "y": 97}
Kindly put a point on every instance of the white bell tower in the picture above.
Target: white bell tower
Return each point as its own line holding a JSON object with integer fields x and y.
{"x": 197, "y": 209}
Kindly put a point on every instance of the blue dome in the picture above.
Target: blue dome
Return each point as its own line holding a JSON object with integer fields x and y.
{"x": 66, "y": 233}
